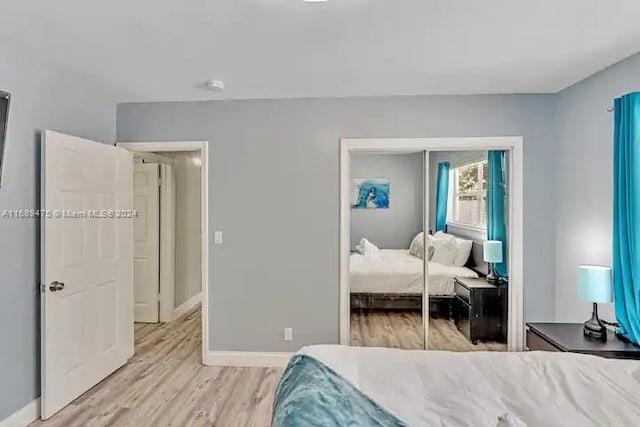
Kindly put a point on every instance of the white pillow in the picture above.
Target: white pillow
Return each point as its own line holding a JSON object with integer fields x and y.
{"x": 417, "y": 246}
{"x": 365, "y": 247}
{"x": 463, "y": 250}
{"x": 444, "y": 246}
{"x": 442, "y": 235}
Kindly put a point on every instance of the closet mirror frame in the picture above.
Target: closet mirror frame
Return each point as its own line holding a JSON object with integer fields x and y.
{"x": 513, "y": 146}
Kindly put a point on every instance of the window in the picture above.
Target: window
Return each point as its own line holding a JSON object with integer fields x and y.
{"x": 468, "y": 195}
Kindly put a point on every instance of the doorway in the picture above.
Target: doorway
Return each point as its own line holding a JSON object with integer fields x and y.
{"x": 512, "y": 149}
{"x": 187, "y": 171}
{"x": 167, "y": 249}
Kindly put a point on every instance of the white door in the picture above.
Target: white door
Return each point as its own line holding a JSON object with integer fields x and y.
{"x": 87, "y": 265}
{"x": 146, "y": 252}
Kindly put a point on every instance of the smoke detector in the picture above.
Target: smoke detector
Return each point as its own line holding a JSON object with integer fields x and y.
{"x": 214, "y": 85}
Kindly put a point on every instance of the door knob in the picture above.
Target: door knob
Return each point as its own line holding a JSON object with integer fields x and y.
{"x": 56, "y": 286}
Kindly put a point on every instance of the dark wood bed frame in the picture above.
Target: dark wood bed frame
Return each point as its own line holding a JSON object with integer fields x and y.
{"x": 439, "y": 305}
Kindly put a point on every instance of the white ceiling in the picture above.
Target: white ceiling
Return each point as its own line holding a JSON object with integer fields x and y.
{"x": 158, "y": 50}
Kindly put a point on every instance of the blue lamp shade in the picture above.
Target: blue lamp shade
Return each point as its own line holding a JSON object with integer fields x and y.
{"x": 595, "y": 283}
{"x": 492, "y": 250}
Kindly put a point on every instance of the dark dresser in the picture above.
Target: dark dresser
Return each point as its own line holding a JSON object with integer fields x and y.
{"x": 568, "y": 337}
{"x": 479, "y": 310}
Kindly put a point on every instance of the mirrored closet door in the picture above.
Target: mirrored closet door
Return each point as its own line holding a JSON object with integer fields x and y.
{"x": 386, "y": 262}
{"x": 467, "y": 278}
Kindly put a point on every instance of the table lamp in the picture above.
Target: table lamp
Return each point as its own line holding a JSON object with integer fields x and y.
{"x": 595, "y": 285}
{"x": 492, "y": 253}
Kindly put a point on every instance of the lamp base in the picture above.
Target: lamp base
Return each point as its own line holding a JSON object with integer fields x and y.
{"x": 593, "y": 328}
{"x": 492, "y": 277}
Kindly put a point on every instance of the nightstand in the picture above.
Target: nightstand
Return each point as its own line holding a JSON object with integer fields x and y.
{"x": 479, "y": 310}
{"x": 568, "y": 337}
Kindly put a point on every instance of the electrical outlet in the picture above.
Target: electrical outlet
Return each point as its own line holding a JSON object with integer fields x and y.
{"x": 288, "y": 334}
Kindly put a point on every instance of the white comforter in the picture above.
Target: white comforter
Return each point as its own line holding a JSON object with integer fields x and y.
{"x": 432, "y": 388}
{"x": 397, "y": 271}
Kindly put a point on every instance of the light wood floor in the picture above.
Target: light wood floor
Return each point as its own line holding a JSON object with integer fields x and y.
{"x": 387, "y": 328}
{"x": 164, "y": 384}
{"x": 403, "y": 329}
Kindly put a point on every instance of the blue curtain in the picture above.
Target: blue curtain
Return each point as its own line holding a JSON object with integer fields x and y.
{"x": 442, "y": 196}
{"x": 626, "y": 215}
{"x": 496, "y": 227}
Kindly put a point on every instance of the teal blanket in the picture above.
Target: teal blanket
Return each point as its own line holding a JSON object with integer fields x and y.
{"x": 311, "y": 394}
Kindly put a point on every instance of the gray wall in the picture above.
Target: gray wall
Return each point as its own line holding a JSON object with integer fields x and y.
{"x": 43, "y": 97}
{"x": 275, "y": 185}
{"x": 584, "y": 192}
{"x": 392, "y": 228}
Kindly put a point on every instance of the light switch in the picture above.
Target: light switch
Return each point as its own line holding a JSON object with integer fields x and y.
{"x": 217, "y": 237}
{"x": 288, "y": 334}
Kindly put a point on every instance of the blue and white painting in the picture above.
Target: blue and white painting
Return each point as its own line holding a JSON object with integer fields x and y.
{"x": 370, "y": 193}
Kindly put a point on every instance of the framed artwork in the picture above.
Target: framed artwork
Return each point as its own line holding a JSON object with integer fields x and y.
{"x": 370, "y": 193}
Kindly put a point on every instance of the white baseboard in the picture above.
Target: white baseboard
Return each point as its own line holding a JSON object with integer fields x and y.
{"x": 23, "y": 417}
{"x": 187, "y": 305}
{"x": 247, "y": 359}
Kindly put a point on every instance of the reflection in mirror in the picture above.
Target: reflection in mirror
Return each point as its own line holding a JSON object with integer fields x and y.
{"x": 386, "y": 279}
{"x": 467, "y": 269}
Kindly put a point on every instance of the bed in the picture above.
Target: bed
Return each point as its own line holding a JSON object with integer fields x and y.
{"x": 331, "y": 385}
{"x": 393, "y": 279}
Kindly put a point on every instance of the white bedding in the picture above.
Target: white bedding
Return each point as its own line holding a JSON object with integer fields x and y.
{"x": 397, "y": 271}
{"x": 433, "y": 388}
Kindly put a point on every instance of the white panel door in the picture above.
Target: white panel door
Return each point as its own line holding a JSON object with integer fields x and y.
{"x": 87, "y": 265}
{"x": 146, "y": 252}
